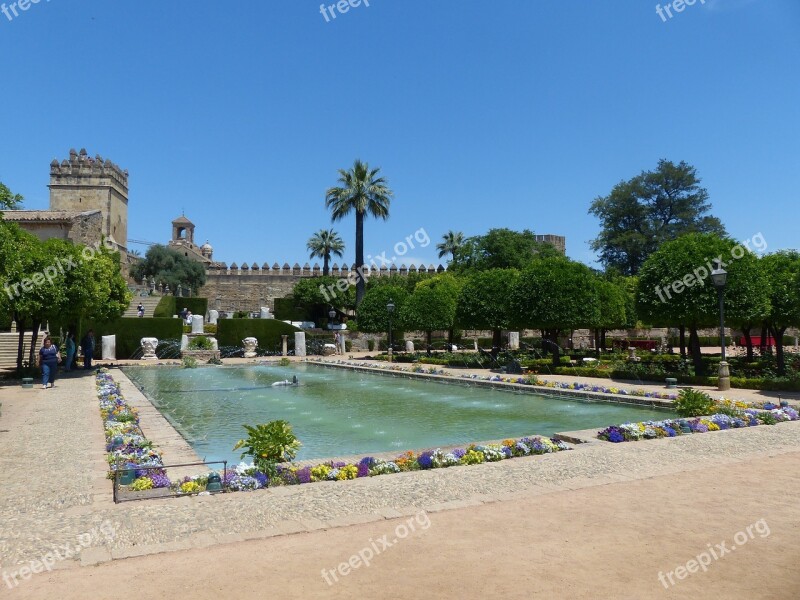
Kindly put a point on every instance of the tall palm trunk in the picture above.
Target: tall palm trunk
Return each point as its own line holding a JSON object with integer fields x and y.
{"x": 325, "y": 269}
{"x": 361, "y": 287}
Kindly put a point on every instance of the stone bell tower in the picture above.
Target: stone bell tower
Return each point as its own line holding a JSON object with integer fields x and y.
{"x": 82, "y": 183}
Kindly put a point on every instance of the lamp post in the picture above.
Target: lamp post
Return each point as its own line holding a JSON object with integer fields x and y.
{"x": 390, "y": 310}
{"x": 332, "y": 316}
{"x": 720, "y": 277}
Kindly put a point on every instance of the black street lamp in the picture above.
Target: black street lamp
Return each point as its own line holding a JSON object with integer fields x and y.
{"x": 331, "y": 317}
{"x": 390, "y": 310}
{"x": 720, "y": 277}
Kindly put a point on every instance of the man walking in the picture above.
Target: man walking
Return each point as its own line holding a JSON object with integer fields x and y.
{"x": 87, "y": 346}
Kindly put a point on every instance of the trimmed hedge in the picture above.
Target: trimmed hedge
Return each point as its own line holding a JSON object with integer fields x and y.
{"x": 130, "y": 332}
{"x": 285, "y": 310}
{"x": 231, "y": 332}
{"x": 168, "y": 306}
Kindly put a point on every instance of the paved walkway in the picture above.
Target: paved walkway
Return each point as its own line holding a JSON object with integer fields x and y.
{"x": 52, "y": 460}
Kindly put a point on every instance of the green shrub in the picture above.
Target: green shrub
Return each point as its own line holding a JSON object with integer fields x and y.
{"x": 285, "y": 310}
{"x": 693, "y": 403}
{"x": 268, "y": 332}
{"x": 130, "y": 331}
{"x": 201, "y": 343}
{"x": 189, "y": 362}
{"x": 284, "y": 362}
{"x": 169, "y": 306}
{"x": 208, "y": 328}
{"x": 268, "y": 445}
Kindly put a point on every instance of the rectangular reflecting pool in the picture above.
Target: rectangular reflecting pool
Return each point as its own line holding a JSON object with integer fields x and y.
{"x": 337, "y": 413}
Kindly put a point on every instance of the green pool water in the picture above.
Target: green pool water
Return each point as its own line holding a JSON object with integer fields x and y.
{"x": 336, "y": 412}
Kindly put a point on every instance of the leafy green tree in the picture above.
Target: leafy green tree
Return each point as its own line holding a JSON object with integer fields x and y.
{"x": 317, "y": 294}
{"x": 615, "y": 303}
{"x": 484, "y": 301}
{"x": 362, "y": 191}
{"x": 432, "y": 306}
{"x": 500, "y": 249}
{"x": 675, "y": 287}
{"x": 8, "y": 200}
{"x": 170, "y": 267}
{"x": 324, "y": 244}
{"x": 373, "y": 317}
{"x": 554, "y": 295}
{"x": 783, "y": 273}
{"x": 451, "y": 242}
{"x": 644, "y": 212}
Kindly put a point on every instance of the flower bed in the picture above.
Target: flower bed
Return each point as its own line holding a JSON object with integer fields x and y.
{"x": 128, "y": 447}
{"x": 648, "y": 430}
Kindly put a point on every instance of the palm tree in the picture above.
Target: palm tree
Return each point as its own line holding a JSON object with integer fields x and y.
{"x": 361, "y": 191}
{"x": 323, "y": 244}
{"x": 451, "y": 242}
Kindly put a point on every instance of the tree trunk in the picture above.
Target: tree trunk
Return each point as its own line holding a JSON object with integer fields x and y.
{"x": 597, "y": 343}
{"x": 682, "y": 340}
{"x": 545, "y": 345}
{"x": 556, "y": 349}
{"x": 360, "y": 283}
{"x": 497, "y": 337}
{"x": 697, "y": 355}
{"x": 778, "y": 332}
{"x": 325, "y": 269}
{"x": 20, "y": 343}
{"x": 429, "y": 336}
{"x": 748, "y": 340}
{"x": 762, "y": 346}
{"x": 603, "y": 340}
{"x": 34, "y": 338}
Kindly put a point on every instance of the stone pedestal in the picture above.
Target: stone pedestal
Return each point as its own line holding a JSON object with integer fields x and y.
{"x": 409, "y": 346}
{"x": 149, "y": 346}
{"x": 300, "y": 343}
{"x": 329, "y": 349}
{"x": 476, "y": 344}
{"x": 265, "y": 314}
{"x": 184, "y": 342}
{"x": 13, "y": 327}
{"x": 724, "y": 383}
{"x": 250, "y": 346}
{"x": 197, "y": 324}
{"x": 109, "y": 347}
{"x": 213, "y": 317}
{"x": 513, "y": 340}
{"x": 342, "y": 346}
{"x": 284, "y": 345}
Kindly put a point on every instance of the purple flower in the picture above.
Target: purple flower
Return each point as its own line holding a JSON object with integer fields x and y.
{"x": 459, "y": 453}
{"x": 363, "y": 469}
{"x": 160, "y": 481}
{"x": 304, "y": 475}
{"x": 368, "y": 460}
{"x": 507, "y": 451}
{"x": 616, "y": 437}
{"x": 262, "y": 479}
{"x": 425, "y": 460}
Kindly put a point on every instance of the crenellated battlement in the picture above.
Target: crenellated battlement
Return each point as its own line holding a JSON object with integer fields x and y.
{"x": 80, "y": 168}
{"x": 219, "y": 269}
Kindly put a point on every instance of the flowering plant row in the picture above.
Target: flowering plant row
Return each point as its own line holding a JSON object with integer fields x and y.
{"x": 629, "y": 432}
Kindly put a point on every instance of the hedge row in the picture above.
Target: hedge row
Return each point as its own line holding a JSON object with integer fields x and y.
{"x": 169, "y": 306}
{"x": 231, "y": 332}
{"x": 130, "y": 332}
{"x": 285, "y": 310}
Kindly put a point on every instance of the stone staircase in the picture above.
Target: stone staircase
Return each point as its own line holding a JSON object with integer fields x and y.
{"x": 8, "y": 349}
{"x": 149, "y": 303}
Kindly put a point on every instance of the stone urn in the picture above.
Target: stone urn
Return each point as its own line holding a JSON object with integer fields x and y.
{"x": 149, "y": 346}
{"x": 250, "y": 345}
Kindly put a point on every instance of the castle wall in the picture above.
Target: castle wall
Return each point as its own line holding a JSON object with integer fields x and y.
{"x": 246, "y": 292}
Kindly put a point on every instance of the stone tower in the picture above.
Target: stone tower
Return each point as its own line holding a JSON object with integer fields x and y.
{"x": 82, "y": 183}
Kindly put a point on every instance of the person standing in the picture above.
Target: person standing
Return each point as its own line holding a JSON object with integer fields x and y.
{"x": 140, "y": 310}
{"x": 87, "y": 346}
{"x": 70, "y": 351}
{"x": 48, "y": 361}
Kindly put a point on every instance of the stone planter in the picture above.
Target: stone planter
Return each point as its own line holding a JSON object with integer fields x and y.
{"x": 672, "y": 383}
{"x": 202, "y": 356}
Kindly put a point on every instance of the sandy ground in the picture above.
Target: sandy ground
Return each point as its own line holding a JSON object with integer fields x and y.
{"x": 608, "y": 541}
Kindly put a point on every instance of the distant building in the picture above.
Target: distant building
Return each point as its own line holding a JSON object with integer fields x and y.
{"x": 558, "y": 241}
{"x": 88, "y": 204}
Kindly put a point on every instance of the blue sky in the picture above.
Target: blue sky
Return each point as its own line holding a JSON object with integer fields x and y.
{"x": 481, "y": 114}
